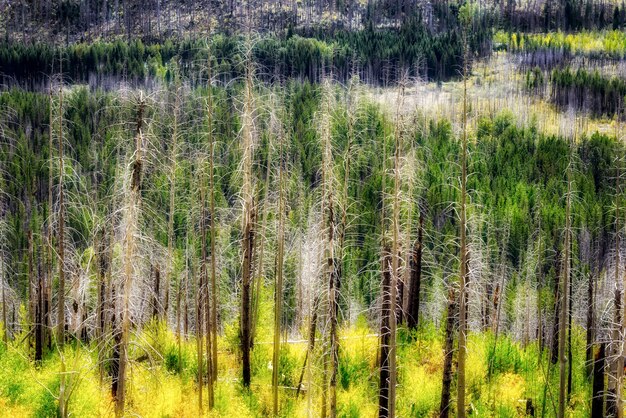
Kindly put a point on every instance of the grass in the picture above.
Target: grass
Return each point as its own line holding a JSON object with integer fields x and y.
{"x": 158, "y": 389}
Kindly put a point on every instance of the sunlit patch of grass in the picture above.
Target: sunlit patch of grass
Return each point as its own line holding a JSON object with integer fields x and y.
{"x": 156, "y": 389}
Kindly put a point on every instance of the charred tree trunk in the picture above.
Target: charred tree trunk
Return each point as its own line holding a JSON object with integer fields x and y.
{"x": 156, "y": 308}
{"x": 444, "y": 408}
{"x": 416, "y": 276}
{"x": 597, "y": 399}
{"x": 311, "y": 345}
{"x": 248, "y": 249}
{"x": 249, "y": 222}
{"x": 612, "y": 403}
{"x": 385, "y": 335}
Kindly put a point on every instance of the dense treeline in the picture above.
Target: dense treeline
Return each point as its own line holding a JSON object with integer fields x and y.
{"x": 372, "y": 53}
{"x": 73, "y": 21}
{"x": 589, "y": 91}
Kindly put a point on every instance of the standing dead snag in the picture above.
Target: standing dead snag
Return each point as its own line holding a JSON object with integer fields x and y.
{"x": 416, "y": 275}
{"x": 444, "y": 407}
{"x": 200, "y": 297}
{"x": 564, "y": 293}
{"x": 249, "y": 219}
{"x": 204, "y": 313}
{"x": 328, "y": 216}
{"x": 611, "y": 399}
{"x": 214, "y": 289}
{"x": 132, "y": 215}
{"x": 61, "y": 256}
{"x": 620, "y": 376}
{"x": 385, "y": 335}
{"x": 463, "y": 278}
{"x": 171, "y": 212}
{"x": 61, "y": 234}
{"x": 597, "y": 399}
{"x": 278, "y": 291}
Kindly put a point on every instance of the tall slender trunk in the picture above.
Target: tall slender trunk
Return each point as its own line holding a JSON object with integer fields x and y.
{"x": 39, "y": 343}
{"x": 61, "y": 234}
{"x": 102, "y": 267}
{"x": 444, "y": 407}
{"x": 328, "y": 179}
{"x": 61, "y": 252}
{"x": 200, "y": 326}
{"x": 278, "y": 291}
{"x": 620, "y": 347}
{"x": 310, "y": 346}
{"x": 205, "y": 312}
{"x": 556, "y": 323}
{"x": 214, "y": 288}
{"x": 170, "y": 222}
{"x": 464, "y": 259}
{"x": 249, "y": 220}
{"x": 597, "y": 398}
{"x": 5, "y": 331}
{"x": 132, "y": 216}
{"x": 613, "y": 392}
{"x": 32, "y": 292}
{"x": 416, "y": 276}
{"x": 589, "y": 361}
{"x": 565, "y": 296}
{"x": 385, "y": 335}
{"x": 49, "y": 257}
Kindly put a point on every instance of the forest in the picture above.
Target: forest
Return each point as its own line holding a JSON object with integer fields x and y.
{"x": 307, "y": 208}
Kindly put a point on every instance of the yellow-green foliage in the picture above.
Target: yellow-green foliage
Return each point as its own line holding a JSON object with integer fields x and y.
{"x": 160, "y": 386}
{"x": 605, "y": 43}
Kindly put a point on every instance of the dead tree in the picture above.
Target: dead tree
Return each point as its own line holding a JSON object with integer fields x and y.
{"x": 444, "y": 407}
{"x": 278, "y": 290}
{"x": 564, "y": 294}
{"x": 249, "y": 220}
{"x": 129, "y": 245}
{"x": 416, "y": 275}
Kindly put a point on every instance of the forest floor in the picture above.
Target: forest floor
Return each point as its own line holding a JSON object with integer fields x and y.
{"x": 502, "y": 375}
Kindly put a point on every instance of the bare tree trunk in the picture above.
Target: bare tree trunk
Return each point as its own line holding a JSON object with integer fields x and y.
{"x": 5, "y": 332}
{"x": 278, "y": 291}
{"x": 589, "y": 361}
{"x": 597, "y": 399}
{"x": 61, "y": 251}
{"x": 385, "y": 335}
{"x": 199, "y": 328}
{"x": 172, "y": 208}
{"x": 613, "y": 393}
{"x": 61, "y": 243}
{"x": 464, "y": 259}
{"x": 102, "y": 267}
{"x": 311, "y": 345}
{"x": 444, "y": 407}
{"x": 622, "y": 326}
{"x": 416, "y": 276}
{"x": 156, "y": 308}
{"x": 564, "y": 295}
{"x": 39, "y": 343}
{"x": 129, "y": 259}
{"x": 205, "y": 308}
{"x": 214, "y": 288}
{"x": 249, "y": 219}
